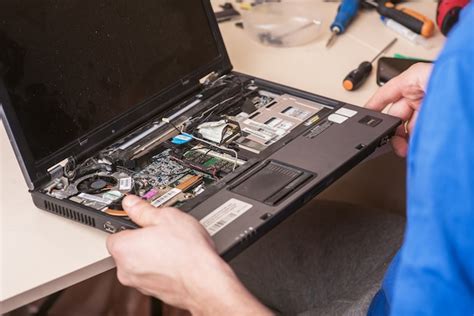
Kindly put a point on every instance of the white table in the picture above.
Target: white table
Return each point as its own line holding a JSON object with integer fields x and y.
{"x": 42, "y": 253}
{"x": 317, "y": 69}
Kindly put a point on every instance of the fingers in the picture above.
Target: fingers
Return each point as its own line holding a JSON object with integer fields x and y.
{"x": 412, "y": 122}
{"x": 116, "y": 245}
{"x": 423, "y": 73}
{"x": 140, "y": 211}
{"x": 401, "y": 109}
{"x": 405, "y": 93}
{"x": 400, "y": 146}
{"x": 410, "y": 84}
{"x": 389, "y": 93}
{"x": 400, "y": 140}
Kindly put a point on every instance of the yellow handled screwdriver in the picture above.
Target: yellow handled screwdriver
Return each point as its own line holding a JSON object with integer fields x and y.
{"x": 357, "y": 77}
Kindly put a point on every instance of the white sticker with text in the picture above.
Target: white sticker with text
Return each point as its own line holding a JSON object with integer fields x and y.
{"x": 224, "y": 215}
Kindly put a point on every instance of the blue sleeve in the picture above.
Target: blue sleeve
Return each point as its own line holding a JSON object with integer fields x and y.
{"x": 436, "y": 271}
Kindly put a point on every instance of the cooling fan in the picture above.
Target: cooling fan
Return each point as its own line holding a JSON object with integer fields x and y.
{"x": 95, "y": 184}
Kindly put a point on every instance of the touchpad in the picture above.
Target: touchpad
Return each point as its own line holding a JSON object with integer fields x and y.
{"x": 270, "y": 182}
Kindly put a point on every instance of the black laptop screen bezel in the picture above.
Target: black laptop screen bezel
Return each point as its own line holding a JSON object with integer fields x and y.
{"x": 35, "y": 172}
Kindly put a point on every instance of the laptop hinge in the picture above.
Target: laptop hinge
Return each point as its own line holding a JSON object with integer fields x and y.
{"x": 209, "y": 78}
{"x": 57, "y": 171}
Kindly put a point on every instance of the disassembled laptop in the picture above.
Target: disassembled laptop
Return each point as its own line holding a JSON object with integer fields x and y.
{"x": 170, "y": 161}
{"x": 133, "y": 100}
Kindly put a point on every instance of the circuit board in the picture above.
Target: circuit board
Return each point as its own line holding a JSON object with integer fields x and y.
{"x": 161, "y": 171}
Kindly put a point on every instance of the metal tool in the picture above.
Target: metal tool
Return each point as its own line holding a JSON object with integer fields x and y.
{"x": 345, "y": 14}
{"x": 268, "y": 38}
{"x": 409, "y": 18}
{"x": 357, "y": 77}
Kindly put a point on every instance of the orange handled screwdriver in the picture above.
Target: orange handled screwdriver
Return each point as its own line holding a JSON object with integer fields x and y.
{"x": 409, "y": 18}
{"x": 357, "y": 77}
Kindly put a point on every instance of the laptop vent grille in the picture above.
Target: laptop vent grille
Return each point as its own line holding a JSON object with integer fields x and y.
{"x": 68, "y": 213}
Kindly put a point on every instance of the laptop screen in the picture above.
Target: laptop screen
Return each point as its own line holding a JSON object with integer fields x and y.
{"x": 72, "y": 65}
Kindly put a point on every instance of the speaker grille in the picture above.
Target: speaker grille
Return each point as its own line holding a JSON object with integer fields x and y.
{"x": 68, "y": 213}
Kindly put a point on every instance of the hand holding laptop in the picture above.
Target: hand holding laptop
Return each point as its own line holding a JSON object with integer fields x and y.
{"x": 405, "y": 94}
{"x": 173, "y": 257}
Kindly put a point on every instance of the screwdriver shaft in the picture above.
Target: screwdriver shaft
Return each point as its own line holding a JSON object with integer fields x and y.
{"x": 331, "y": 39}
{"x": 386, "y": 48}
{"x": 358, "y": 76}
{"x": 346, "y": 12}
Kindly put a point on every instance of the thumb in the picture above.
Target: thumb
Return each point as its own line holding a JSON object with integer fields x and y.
{"x": 140, "y": 211}
{"x": 400, "y": 146}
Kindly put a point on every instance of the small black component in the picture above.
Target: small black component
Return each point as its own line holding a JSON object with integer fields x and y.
{"x": 116, "y": 205}
{"x": 92, "y": 168}
{"x": 268, "y": 38}
{"x": 318, "y": 130}
{"x": 248, "y": 106}
{"x": 370, "y": 121}
{"x": 228, "y": 13}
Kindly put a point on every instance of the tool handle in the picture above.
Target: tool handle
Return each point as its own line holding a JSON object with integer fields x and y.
{"x": 346, "y": 12}
{"x": 448, "y": 12}
{"x": 408, "y": 18}
{"x": 357, "y": 77}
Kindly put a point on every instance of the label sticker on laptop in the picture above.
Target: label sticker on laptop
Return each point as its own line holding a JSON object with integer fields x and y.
{"x": 336, "y": 118}
{"x": 296, "y": 113}
{"x": 166, "y": 197}
{"x": 279, "y": 123}
{"x": 346, "y": 112}
{"x": 95, "y": 198}
{"x": 224, "y": 215}
{"x": 262, "y": 135}
{"x": 125, "y": 184}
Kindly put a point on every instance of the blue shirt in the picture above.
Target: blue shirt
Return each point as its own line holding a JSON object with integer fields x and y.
{"x": 433, "y": 274}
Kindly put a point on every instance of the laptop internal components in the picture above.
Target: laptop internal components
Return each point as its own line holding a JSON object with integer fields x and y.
{"x": 275, "y": 119}
{"x": 176, "y": 158}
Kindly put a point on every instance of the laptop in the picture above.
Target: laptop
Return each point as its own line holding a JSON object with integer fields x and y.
{"x": 103, "y": 99}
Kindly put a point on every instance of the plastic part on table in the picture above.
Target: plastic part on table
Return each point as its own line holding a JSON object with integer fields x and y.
{"x": 283, "y": 24}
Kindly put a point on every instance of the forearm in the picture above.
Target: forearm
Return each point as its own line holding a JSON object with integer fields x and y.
{"x": 223, "y": 294}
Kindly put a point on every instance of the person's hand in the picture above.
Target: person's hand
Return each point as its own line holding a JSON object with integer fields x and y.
{"x": 404, "y": 94}
{"x": 173, "y": 258}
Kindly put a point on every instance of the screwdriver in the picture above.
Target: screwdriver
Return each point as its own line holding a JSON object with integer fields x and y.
{"x": 409, "y": 18}
{"x": 345, "y": 13}
{"x": 357, "y": 77}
